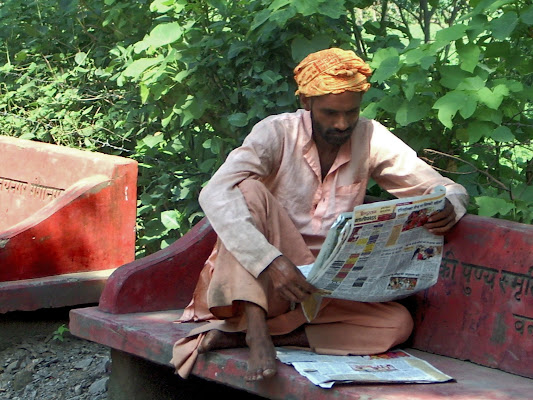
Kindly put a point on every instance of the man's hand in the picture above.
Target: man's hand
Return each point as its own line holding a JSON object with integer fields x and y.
{"x": 440, "y": 222}
{"x": 288, "y": 281}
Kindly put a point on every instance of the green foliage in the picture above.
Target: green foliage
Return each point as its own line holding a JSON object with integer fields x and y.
{"x": 211, "y": 70}
{"x": 59, "y": 332}
{"x": 177, "y": 84}
{"x": 465, "y": 92}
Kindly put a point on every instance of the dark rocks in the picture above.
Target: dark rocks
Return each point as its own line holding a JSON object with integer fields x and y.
{"x": 39, "y": 367}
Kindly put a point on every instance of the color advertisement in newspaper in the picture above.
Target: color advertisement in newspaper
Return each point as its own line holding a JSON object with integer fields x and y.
{"x": 379, "y": 252}
{"x": 395, "y": 366}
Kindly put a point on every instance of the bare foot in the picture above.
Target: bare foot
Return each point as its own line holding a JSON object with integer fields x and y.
{"x": 215, "y": 340}
{"x": 262, "y": 359}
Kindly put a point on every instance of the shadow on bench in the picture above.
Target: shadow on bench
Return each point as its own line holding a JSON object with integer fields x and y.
{"x": 480, "y": 310}
{"x": 67, "y": 220}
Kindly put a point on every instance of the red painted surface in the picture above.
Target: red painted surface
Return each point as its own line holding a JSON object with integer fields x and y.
{"x": 481, "y": 309}
{"x": 164, "y": 280}
{"x": 82, "y": 288}
{"x": 152, "y": 335}
{"x": 63, "y": 210}
{"x": 467, "y": 315}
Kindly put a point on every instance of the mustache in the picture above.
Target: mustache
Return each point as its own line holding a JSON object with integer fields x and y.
{"x": 338, "y": 131}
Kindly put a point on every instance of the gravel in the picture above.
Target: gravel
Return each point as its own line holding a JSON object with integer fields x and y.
{"x": 39, "y": 361}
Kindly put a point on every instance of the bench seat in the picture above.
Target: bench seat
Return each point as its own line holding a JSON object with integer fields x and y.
{"x": 151, "y": 336}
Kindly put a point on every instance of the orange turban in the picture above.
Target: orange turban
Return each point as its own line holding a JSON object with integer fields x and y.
{"x": 331, "y": 71}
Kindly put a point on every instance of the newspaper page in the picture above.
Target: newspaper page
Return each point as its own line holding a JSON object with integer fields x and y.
{"x": 396, "y": 366}
{"x": 379, "y": 252}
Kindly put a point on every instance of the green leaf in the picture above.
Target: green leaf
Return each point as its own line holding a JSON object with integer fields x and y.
{"x": 386, "y": 63}
{"x": 136, "y": 68}
{"x": 448, "y": 105}
{"x": 145, "y": 92}
{"x": 260, "y": 18}
{"x": 207, "y": 165}
{"x": 277, "y": 4}
{"x": 152, "y": 140}
{"x": 161, "y": 35}
{"x": 333, "y": 9}
{"x": 474, "y": 83}
{"x": 370, "y": 111}
{"x": 236, "y": 48}
{"x": 413, "y": 80}
{"x": 497, "y": 50}
{"x": 238, "y": 119}
{"x": 490, "y": 206}
{"x": 493, "y": 98}
{"x": 503, "y": 26}
{"x": 21, "y": 56}
{"x": 301, "y": 47}
{"x": 170, "y": 219}
{"x": 270, "y": 77}
{"x": 452, "y": 76}
{"x": 80, "y": 58}
{"x": 469, "y": 106}
{"x": 420, "y": 56}
{"x": 469, "y": 56}
{"x": 502, "y": 134}
{"x": 450, "y": 34}
{"x": 411, "y": 111}
{"x": 527, "y": 15}
{"x": 478, "y": 129}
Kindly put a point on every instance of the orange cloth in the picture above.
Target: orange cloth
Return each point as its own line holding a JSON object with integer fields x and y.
{"x": 341, "y": 327}
{"x": 331, "y": 71}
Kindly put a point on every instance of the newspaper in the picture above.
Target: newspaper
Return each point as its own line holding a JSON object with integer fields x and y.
{"x": 396, "y": 366}
{"x": 379, "y": 252}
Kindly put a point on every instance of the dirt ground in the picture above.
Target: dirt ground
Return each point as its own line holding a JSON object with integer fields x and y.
{"x": 40, "y": 360}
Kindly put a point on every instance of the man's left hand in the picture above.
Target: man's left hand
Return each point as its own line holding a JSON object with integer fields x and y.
{"x": 441, "y": 222}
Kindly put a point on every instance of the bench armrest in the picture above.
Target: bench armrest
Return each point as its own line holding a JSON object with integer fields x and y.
{"x": 164, "y": 280}
{"x": 90, "y": 227}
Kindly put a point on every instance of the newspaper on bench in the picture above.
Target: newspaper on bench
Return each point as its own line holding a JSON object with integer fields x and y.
{"x": 379, "y": 252}
{"x": 395, "y": 366}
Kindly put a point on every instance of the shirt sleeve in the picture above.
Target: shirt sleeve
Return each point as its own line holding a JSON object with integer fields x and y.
{"x": 397, "y": 169}
{"x": 225, "y": 206}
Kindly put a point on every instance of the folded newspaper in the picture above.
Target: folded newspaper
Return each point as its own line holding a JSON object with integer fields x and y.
{"x": 395, "y": 366}
{"x": 379, "y": 252}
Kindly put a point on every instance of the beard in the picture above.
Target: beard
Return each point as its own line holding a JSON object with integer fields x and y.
{"x": 332, "y": 136}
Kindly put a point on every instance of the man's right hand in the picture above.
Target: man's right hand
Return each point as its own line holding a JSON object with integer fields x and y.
{"x": 288, "y": 281}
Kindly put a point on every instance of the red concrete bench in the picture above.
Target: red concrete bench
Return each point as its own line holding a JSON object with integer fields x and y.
{"x": 475, "y": 325}
{"x": 67, "y": 220}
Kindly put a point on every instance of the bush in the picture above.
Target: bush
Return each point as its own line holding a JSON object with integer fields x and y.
{"x": 177, "y": 84}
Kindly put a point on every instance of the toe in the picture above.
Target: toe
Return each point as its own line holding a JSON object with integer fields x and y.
{"x": 269, "y": 372}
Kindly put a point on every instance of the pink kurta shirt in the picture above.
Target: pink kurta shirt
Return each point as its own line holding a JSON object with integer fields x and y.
{"x": 281, "y": 153}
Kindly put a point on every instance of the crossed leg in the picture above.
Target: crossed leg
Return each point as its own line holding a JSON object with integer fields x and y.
{"x": 248, "y": 315}
{"x": 262, "y": 357}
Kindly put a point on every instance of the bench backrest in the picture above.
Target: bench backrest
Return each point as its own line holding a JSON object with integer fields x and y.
{"x": 481, "y": 309}
{"x": 32, "y": 174}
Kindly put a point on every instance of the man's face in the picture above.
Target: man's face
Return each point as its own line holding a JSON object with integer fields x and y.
{"x": 334, "y": 116}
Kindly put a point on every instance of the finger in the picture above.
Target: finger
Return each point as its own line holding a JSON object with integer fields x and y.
{"x": 289, "y": 295}
{"x": 440, "y": 223}
{"x": 441, "y": 227}
{"x": 296, "y": 294}
{"x": 441, "y": 230}
{"x": 299, "y": 294}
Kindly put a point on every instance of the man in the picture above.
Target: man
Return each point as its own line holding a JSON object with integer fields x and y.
{"x": 272, "y": 203}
